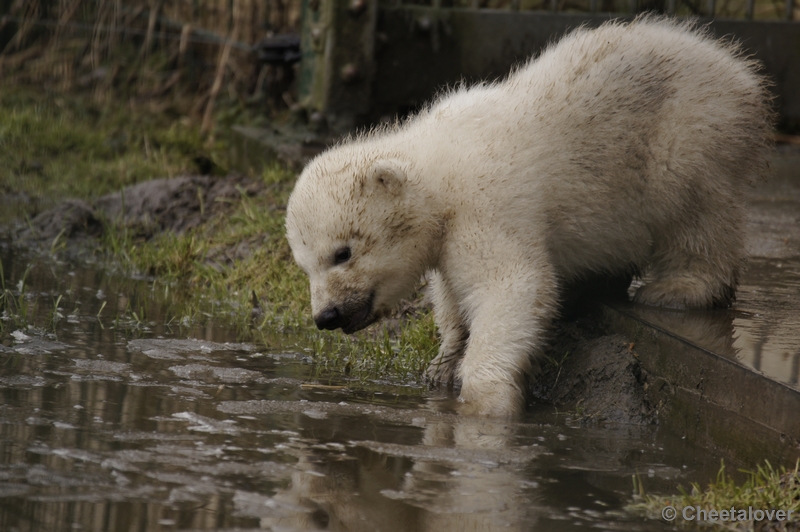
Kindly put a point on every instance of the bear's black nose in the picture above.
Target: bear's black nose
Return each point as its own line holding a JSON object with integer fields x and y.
{"x": 328, "y": 319}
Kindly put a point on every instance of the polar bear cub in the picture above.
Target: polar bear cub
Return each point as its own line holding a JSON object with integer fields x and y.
{"x": 621, "y": 149}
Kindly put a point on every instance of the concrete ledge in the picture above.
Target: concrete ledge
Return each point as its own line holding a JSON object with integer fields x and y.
{"x": 253, "y": 148}
{"x": 710, "y": 399}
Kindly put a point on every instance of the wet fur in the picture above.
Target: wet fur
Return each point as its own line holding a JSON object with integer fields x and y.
{"x": 625, "y": 148}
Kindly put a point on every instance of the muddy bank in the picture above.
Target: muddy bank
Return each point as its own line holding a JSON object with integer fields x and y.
{"x": 592, "y": 376}
{"x": 169, "y": 204}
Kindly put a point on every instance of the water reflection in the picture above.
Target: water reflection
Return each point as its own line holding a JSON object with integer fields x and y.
{"x": 421, "y": 469}
{"x": 768, "y": 328}
{"x": 120, "y": 426}
{"x": 447, "y": 481}
{"x": 761, "y": 331}
{"x": 370, "y": 490}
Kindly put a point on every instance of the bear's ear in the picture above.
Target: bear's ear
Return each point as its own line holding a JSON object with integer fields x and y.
{"x": 387, "y": 175}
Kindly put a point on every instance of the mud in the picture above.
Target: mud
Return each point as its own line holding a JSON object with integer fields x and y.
{"x": 594, "y": 376}
{"x": 169, "y": 204}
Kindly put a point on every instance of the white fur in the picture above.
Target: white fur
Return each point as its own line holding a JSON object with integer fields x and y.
{"x": 624, "y": 148}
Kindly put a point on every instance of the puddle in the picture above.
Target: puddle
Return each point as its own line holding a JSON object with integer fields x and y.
{"x": 111, "y": 425}
{"x": 767, "y": 326}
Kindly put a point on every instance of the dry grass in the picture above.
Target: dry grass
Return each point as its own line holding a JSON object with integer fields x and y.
{"x": 189, "y": 56}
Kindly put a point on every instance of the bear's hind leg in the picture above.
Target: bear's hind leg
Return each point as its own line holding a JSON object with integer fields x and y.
{"x": 686, "y": 291}
{"x": 696, "y": 267}
{"x": 452, "y": 330}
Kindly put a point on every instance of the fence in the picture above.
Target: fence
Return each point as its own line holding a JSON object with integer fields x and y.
{"x": 362, "y": 60}
{"x": 365, "y": 60}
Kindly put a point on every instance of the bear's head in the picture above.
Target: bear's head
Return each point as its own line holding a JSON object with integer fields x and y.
{"x": 363, "y": 233}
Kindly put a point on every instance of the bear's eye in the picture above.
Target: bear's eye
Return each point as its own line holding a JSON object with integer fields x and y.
{"x": 342, "y": 255}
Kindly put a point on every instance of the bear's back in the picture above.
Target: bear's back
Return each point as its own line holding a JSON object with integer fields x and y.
{"x": 607, "y": 138}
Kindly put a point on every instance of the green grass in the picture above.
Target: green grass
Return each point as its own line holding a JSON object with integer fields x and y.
{"x": 54, "y": 146}
{"x": 68, "y": 146}
{"x": 765, "y": 488}
{"x": 14, "y": 305}
{"x": 404, "y": 354}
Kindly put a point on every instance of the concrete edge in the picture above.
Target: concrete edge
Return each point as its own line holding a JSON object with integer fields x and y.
{"x": 709, "y": 399}
{"x": 254, "y": 149}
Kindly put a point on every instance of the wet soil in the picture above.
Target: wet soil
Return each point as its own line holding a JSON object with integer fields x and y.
{"x": 594, "y": 376}
{"x": 169, "y": 204}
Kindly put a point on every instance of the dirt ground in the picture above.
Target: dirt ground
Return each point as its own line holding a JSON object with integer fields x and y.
{"x": 593, "y": 375}
{"x": 175, "y": 204}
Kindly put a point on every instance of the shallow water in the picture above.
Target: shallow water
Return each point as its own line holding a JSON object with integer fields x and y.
{"x": 122, "y": 423}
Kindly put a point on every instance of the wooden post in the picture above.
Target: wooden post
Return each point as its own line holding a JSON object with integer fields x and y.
{"x": 336, "y": 69}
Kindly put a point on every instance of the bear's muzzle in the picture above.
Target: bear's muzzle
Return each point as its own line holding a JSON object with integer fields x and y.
{"x": 351, "y": 315}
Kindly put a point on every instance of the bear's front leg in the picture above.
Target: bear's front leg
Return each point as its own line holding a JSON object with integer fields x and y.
{"x": 510, "y": 312}
{"x": 452, "y": 331}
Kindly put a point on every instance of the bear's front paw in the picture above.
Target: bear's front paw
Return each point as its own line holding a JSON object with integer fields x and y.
{"x": 499, "y": 400}
{"x": 442, "y": 369}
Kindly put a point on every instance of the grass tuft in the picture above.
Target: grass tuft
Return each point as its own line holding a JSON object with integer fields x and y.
{"x": 766, "y": 488}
